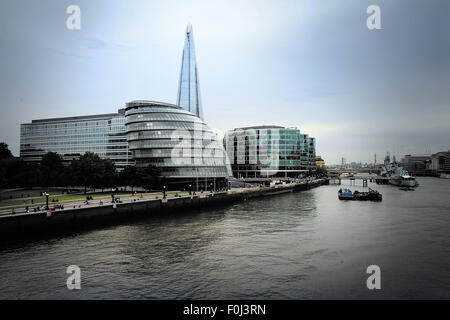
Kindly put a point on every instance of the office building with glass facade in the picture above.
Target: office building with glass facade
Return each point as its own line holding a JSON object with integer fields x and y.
{"x": 416, "y": 165}
{"x": 270, "y": 151}
{"x": 189, "y": 87}
{"x": 178, "y": 142}
{"x": 71, "y": 137}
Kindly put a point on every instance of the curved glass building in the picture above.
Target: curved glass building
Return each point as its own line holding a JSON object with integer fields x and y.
{"x": 178, "y": 142}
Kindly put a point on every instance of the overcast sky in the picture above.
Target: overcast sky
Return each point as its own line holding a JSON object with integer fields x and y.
{"x": 311, "y": 64}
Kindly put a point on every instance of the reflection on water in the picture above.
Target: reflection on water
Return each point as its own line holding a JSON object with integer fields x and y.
{"x": 296, "y": 246}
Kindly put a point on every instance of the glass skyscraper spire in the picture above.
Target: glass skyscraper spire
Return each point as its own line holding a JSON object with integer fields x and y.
{"x": 189, "y": 86}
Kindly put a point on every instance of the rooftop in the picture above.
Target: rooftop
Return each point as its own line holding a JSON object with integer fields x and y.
{"x": 77, "y": 118}
{"x": 260, "y": 127}
{"x": 141, "y": 103}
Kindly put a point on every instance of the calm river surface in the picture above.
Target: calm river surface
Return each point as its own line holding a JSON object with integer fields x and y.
{"x": 306, "y": 245}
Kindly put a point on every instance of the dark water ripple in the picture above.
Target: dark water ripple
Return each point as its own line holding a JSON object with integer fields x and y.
{"x": 296, "y": 246}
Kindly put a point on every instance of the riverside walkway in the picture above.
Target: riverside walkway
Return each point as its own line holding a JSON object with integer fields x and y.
{"x": 81, "y": 202}
{"x": 99, "y": 212}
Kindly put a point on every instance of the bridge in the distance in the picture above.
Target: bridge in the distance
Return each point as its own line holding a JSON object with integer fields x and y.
{"x": 352, "y": 178}
{"x": 353, "y": 171}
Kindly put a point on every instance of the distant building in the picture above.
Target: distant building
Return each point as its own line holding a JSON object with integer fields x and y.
{"x": 440, "y": 162}
{"x": 320, "y": 163}
{"x": 416, "y": 164}
{"x": 270, "y": 151}
{"x": 189, "y": 97}
{"x": 71, "y": 137}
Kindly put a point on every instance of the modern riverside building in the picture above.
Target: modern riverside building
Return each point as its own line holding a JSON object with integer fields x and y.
{"x": 270, "y": 151}
{"x": 189, "y": 87}
{"x": 178, "y": 142}
{"x": 71, "y": 137}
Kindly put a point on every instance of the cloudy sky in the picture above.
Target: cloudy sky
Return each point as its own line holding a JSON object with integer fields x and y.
{"x": 310, "y": 64}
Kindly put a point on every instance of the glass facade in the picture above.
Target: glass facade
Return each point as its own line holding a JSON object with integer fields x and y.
{"x": 175, "y": 140}
{"x": 73, "y": 136}
{"x": 189, "y": 87}
{"x": 265, "y": 151}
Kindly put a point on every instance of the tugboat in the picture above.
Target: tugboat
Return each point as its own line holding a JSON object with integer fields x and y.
{"x": 345, "y": 195}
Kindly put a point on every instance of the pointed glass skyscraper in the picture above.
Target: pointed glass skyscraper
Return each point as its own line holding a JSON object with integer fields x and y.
{"x": 189, "y": 87}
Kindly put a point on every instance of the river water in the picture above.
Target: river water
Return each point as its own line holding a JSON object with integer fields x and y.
{"x": 305, "y": 245}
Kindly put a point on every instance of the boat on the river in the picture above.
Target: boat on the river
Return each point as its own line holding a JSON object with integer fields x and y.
{"x": 396, "y": 175}
{"x": 371, "y": 195}
{"x": 403, "y": 180}
{"x": 345, "y": 194}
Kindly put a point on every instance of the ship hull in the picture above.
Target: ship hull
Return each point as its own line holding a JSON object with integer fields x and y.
{"x": 403, "y": 182}
{"x": 409, "y": 183}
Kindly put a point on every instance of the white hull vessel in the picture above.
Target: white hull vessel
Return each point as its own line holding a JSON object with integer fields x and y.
{"x": 445, "y": 176}
{"x": 397, "y": 175}
{"x": 403, "y": 181}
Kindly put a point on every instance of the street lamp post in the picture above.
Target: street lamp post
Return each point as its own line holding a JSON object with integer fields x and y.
{"x": 112, "y": 196}
{"x": 46, "y": 200}
{"x": 164, "y": 192}
{"x": 196, "y": 171}
{"x": 190, "y": 189}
